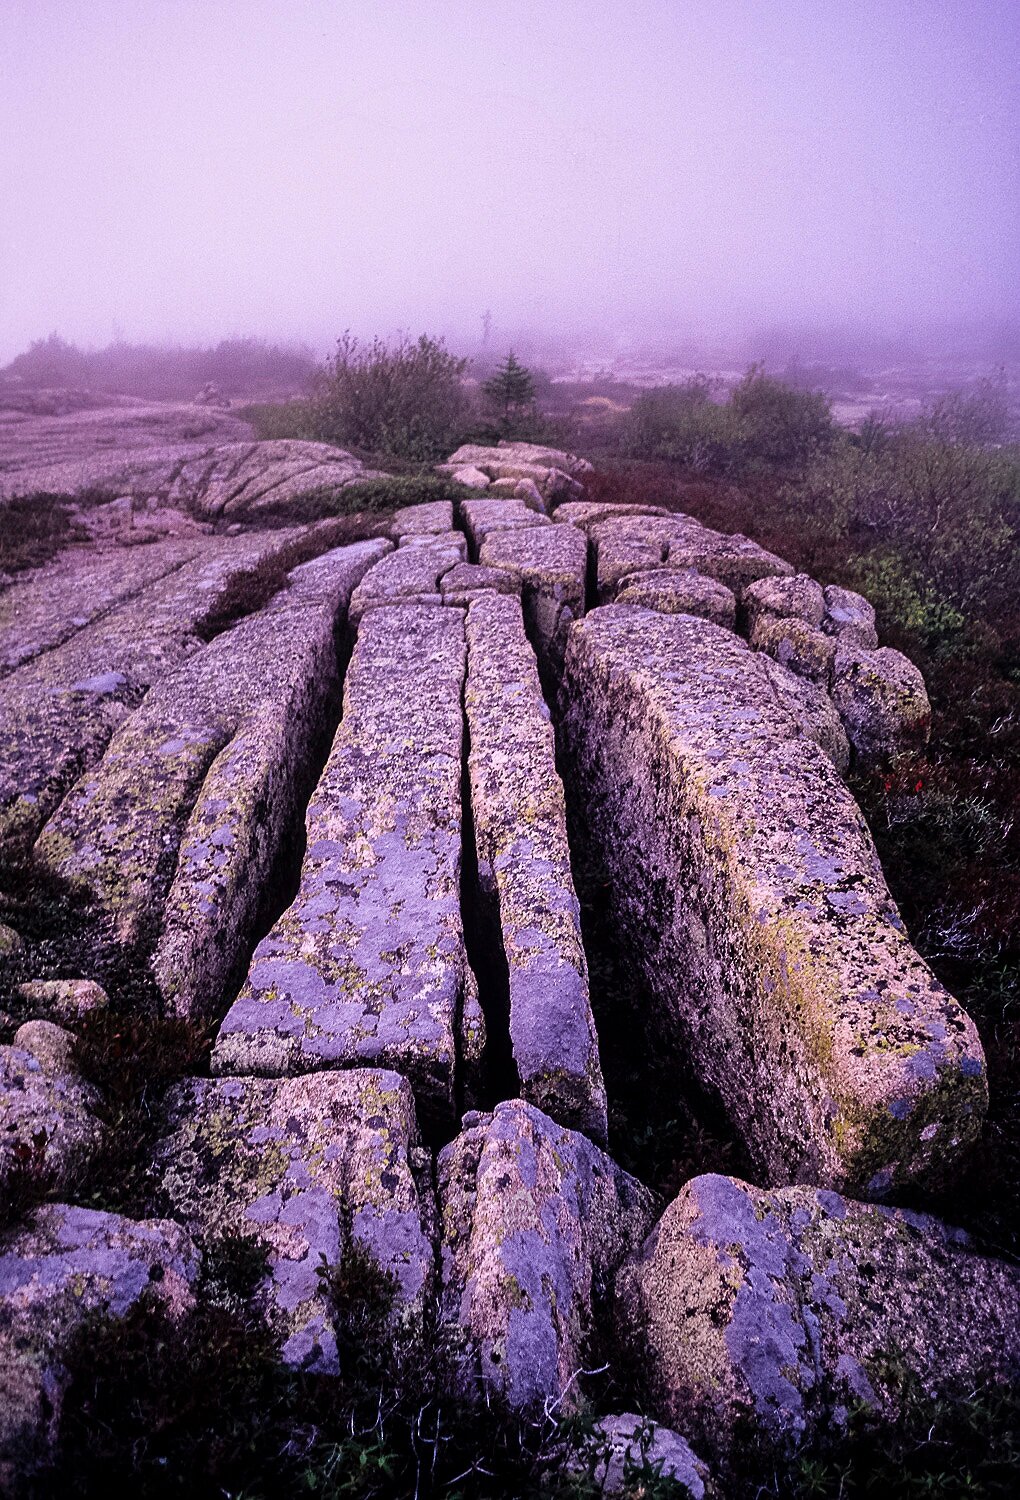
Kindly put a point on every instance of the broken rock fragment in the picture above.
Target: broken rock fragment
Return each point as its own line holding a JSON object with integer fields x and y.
{"x": 534, "y": 1221}
{"x": 783, "y": 1309}
{"x": 64, "y": 1265}
{"x": 681, "y": 592}
{"x": 882, "y": 701}
{"x": 551, "y": 562}
{"x": 49, "y": 1129}
{"x": 299, "y": 1163}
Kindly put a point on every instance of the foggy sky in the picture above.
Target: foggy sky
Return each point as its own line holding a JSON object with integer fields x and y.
{"x": 194, "y": 169}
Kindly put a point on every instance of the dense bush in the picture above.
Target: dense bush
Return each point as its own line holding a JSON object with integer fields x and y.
{"x": 764, "y": 424}
{"x": 235, "y": 366}
{"x": 405, "y": 399}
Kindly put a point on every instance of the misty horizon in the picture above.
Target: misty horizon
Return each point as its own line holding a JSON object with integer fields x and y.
{"x": 185, "y": 173}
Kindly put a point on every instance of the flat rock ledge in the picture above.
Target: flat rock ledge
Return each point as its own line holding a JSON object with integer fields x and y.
{"x": 783, "y": 1309}
{"x": 519, "y": 816}
{"x": 368, "y": 966}
{"x": 748, "y": 891}
{"x": 534, "y": 1221}
{"x": 299, "y": 1163}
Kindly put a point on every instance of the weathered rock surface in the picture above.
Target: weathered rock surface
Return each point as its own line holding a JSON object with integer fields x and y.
{"x": 802, "y": 648}
{"x": 298, "y": 1162}
{"x": 11, "y": 942}
{"x": 60, "y": 709}
{"x": 551, "y": 562}
{"x": 799, "y": 597}
{"x": 368, "y": 967}
{"x": 66, "y": 1264}
{"x": 468, "y": 580}
{"x": 194, "y": 459}
{"x": 676, "y": 592}
{"x": 483, "y": 518}
{"x": 431, "y": 519}
{"x": 585, "y": 513}
{"x": 524, "y": 863}
{"x": 748, "y": 891}
{"x": 65, "y": 1001}
{"x": 554, "y": 474}
{"x": 249, "y": 798}
{"x": 632, "y": 543}
{"x": 48, "y": 1124}
{"x": 231, "y": 730}
{"x": 787, "y": 1307}
{"x": 409, "y": 575}
{"x": 813, "y": 710}
{"x": 52, "y": 603}
{"x": 849, "y": 617}
{"x": 623, "y": 1448}
{"x": 882, "y": 701}
{"x": 534, "y": 1220}
{"x": 733, "y": 559}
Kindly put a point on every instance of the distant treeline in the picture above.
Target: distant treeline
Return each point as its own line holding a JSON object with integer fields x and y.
{"x": 237, "y": 367}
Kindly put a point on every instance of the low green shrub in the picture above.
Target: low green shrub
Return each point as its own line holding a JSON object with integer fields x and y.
{"x": 404, "y": 399}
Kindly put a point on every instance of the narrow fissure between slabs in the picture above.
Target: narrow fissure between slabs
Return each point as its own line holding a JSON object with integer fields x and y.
{"x": 591, "y": 576}
{"x": 483, "y": 943}
{"x": 663, "y": 1127}
{"x": 281, "y": 885}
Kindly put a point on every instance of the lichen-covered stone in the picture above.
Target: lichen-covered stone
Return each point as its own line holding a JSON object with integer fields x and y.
{"x": 749, "y": 895}
{"x": 799, "y": 597}
{"x": 42, "y": 609}
{"x": 585, "y": 513}
{"x": 299, "y": 1162}
{"x": 673, "y": 591}
{"x": 468, "y": 580}
{"x": 453, "y": 541}
{"x": 556, "y": 475}
{"x": 519, "y": 816}
{"x": 785, "y": 1308}
{"x": 731, "y": 558}
{"x": 621, "y": 1449}
{"x": 248, "y": 802}
{"x": 468, "y": 475}
{"x": 368, "y": 966}
{"x": 431, "y": 519}
{"x": 48, "y": 1125}
{"x": 230, "y": 730}
{"x": 849, "y": 617}
{"x": 65, "y": 1001}
{"x": 187, "y": 458}
{"x": 551, "y": 562}
{"x": 813, "y": 710}
{"x": 534, "y": 1221}
{"x": 11, "y": 942}
{"x": 406, "y": 575}
{"x": 882, "y": 700}
{"x": 796, "y": 645}
{"x": 629, "y": 544}
{"x": 60, "y": 709}
{"x": 483, "y": 518}
{"x": 66, "y": 1264}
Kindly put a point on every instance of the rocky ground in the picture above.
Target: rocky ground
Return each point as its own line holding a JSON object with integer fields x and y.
{"x": 331, "y": 843}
